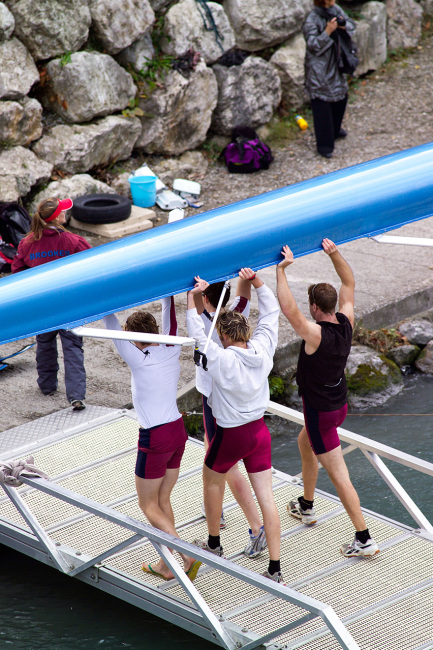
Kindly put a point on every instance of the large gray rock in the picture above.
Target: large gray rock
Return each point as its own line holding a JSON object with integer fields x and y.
{"x": 78, "y": 148}
{"x": 427, "y": 7}
{"x": 177, "y": 116}
{"x": 417, "y": 332}
{"x": 118, "y": 23}
{"x": 51, "y": 27}
{"x": 24, "y": 166}
{"x": 289, "y": 62}
{"x": 371, "y": 378}
{"x": 370, "y": 37}
{"x": 262, "y": 23}
{"x": 18, "y": 71}
{"x": 185, "y": 26}
{"x": 79, "y": 185}
{"x": 9, "y": 189}
{"x": 20, "y": 121}
{"x": 139, "y": 54}
{"x": 424, "y": 363}
{"x": 90, "y": 85}
{"x": 404, "y": 23}
{"x": 248, "y": 94}
{"x": 7, "y": 22}
{"x": 403, "y": 355}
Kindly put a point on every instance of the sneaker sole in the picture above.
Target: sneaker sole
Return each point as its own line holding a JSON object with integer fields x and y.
{"x": 361, "y": 554}
{"x": 301, "y": 517}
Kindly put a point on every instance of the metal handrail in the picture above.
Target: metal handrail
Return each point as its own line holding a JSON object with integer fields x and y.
{"x": 162, "y": 542}
{"x": 373, "y": 451}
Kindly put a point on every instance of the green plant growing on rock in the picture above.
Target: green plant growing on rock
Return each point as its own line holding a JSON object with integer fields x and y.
{"x": 133, "y": 109}
{"x": 276, "y": 386}
{"x": 367, "y": 380}
{"x": 65, "y": 58}
{"x": 381, "y": 340}
{"x": 194, "y": 425}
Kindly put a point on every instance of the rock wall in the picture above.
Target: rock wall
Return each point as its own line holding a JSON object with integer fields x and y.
{"x": 84, "y": 84}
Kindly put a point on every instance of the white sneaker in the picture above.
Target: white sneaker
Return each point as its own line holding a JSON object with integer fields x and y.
{"x": 307, "y": 516}
{"x": 356, "y": 549}
{"x": 256, "y": 544}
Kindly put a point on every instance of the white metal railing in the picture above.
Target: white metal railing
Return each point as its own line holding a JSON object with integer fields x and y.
{"x": 374, "y": 451}
{"x": 72, "y": 565}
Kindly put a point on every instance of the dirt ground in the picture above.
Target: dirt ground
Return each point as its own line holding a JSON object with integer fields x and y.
{"x": 390, "y": 111}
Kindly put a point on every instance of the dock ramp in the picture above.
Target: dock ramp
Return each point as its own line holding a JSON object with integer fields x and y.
{"x": 86, "y": 522}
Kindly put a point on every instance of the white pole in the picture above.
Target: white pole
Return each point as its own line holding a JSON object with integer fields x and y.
{"x": 214, "y": 320}
{"x": 120, "y": 335}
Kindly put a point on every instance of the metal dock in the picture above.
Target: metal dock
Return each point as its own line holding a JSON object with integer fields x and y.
{"x": 87, "y": 523}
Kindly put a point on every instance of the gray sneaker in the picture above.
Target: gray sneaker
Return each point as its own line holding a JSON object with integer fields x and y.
{"x": 78, "y": 405}
{"x": 222, "y": 520}
{"x": 307, "y": 516}
{"x": 276, "y": 577}
{"x": 256, "y": 544}
{"x": 204, "y": 545}
{"x": 357, "y": 549}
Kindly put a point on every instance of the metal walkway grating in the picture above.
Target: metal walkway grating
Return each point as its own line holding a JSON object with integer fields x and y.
{"x": 385, "y": 602}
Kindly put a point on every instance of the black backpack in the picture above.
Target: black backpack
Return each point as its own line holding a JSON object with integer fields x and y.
{"x": 15, "y": 223}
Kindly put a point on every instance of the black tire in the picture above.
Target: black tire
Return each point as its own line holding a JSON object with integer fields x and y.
{"x": 101, "y": 208}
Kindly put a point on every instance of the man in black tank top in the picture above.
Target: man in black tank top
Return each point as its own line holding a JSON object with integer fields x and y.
{"x": 322, "y": 385}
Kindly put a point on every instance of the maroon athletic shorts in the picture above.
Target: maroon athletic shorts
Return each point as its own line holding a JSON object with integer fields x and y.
{"x": 250, "y": 442}
{"x": 322, "y": 427}
{"x": 160, "y": 448}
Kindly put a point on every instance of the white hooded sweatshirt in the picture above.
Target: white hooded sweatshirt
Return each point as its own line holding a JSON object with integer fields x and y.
{"x": 240, "y": 390}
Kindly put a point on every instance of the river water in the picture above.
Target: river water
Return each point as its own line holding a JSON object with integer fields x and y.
{"x": 41, "y": 609}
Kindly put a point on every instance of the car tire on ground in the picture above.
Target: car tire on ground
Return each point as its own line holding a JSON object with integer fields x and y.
{"x": 101, "y": 208}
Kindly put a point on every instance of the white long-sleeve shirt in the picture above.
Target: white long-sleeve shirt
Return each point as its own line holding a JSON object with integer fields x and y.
{"x": 240, "y": 390}
{"x": 155, "y": 371}
{"x": 203, "y": 379}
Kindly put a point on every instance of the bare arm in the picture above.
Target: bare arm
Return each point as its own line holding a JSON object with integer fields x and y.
{"x": 346, "y": 297}
{"x": 310, "y": 332}
{"x": 243, "y": 289}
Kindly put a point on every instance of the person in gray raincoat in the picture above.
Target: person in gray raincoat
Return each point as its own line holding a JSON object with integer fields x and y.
{"x": 325, "y": 83}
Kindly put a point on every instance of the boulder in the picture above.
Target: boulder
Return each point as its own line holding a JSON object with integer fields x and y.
{"x": 138, "y": 54}
{"x": 370, "y": 37}
{"x": 248, "y": 94}
{"x": 23, "y": 165}
{"x": 18, "y": 71}
{"x": 120, "y": 184}
{"x": 118, "y": 23}
{"x": 8, "y": 189}
{"x": 80, "y": 147}
{"x": 178, "y": 114}
{"x": 159, "y": 4}
{"x": 289, "y": 63}
{"x": 7, "y": 22}
{"x": 188, "y": 25}
{"x": 371, "y": 378}
{"x": 20, "y": 121}
{"x": 189, "y": 164}
{"x": 90, "y": 85}
{"x": 79, "y": 185}
{"x": 403, "y": 355}
{"x": 424, "y": 363}
{"x": 404, "y": 23}
{"x": 427, "y": 7}
{"x": 417, "y": 332}
{"x": 259, "y": 24}
{"x": 51, "y": 27}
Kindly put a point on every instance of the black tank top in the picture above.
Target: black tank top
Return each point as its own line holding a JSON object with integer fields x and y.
{"x": 320, "y": 376}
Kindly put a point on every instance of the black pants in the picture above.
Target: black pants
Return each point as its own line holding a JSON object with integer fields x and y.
{"x": 328, "y": 117}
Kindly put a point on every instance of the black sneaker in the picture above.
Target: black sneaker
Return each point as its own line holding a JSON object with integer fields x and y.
{"x": 78, "y": 405}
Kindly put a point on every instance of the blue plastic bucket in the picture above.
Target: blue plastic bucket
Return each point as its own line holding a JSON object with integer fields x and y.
{"x": 143, "y": 190}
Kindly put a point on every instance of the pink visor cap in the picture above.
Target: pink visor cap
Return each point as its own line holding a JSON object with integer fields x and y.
{"x": 64, "y": 204}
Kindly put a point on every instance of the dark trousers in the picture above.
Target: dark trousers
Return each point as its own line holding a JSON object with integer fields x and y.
{"x": 73, "y": 356}
{"x": 328, "y": 117}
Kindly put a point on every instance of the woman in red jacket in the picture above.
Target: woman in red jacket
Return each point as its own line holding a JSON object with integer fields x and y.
{"x": 48, "y": 240}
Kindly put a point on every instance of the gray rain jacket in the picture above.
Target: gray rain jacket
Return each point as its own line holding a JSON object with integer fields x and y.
{"x": 323, "y": 78}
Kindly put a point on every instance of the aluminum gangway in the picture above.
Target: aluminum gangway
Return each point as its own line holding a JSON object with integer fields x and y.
{"x": 86, "y": 522}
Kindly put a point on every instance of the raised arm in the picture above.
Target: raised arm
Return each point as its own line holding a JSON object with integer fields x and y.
{"x": 310, "y": 332}
{"x": 169, "y": 322}
{"x": 346, "y": 297}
